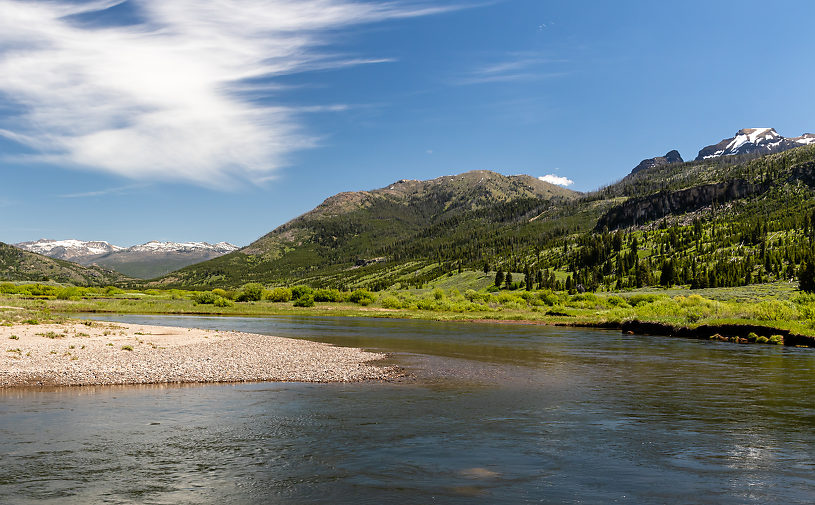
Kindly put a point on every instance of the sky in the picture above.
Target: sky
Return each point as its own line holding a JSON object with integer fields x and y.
{"x": 179, "y": 120}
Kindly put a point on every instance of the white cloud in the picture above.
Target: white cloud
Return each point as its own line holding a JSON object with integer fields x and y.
{"x": 119, "y": 190}
{"x": 554, "y": 179}
{"x": 513, "y": 67}
{"x": 166, "y": 98}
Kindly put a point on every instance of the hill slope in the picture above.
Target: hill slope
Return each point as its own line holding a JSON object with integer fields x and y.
{"x": 350, "y": 231}
{"x": 19, "y": 265}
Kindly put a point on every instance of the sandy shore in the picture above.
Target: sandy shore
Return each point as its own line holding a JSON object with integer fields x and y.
{"x": 98, "y": 353}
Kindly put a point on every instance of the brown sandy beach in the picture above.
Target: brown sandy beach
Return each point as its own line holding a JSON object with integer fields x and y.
{"x": 101, "y": 353}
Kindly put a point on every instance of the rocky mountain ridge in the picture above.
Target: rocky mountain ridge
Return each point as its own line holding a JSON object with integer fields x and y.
{"x": 754, "y": 140}
{"x": 147, "y": 260}
{"x": 670, "y": 158}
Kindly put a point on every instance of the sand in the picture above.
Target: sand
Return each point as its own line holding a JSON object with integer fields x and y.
{"x": 101, "y": 353}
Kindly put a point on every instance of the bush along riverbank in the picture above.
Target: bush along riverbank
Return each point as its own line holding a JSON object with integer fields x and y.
{"x": 768, "y": 314}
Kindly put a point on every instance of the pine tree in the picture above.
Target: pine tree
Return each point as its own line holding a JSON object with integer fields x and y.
{"x": 499, "y": 278}
{"x": 806, "y": 277}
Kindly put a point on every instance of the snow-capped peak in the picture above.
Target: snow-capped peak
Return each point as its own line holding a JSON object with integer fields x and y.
{"x": 754, "y": 140}
{"x": 68, "y": 249}
{"x": 156, "y": 246}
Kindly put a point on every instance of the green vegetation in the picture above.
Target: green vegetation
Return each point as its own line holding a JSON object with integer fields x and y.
{"x": 19, "y": 265}
{"x": 793, "y": 312}
{"x": 724, "y": 222}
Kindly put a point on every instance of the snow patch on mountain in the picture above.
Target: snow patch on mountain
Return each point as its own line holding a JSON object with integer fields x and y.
{"x": 754, "y": 140}
{"x": 71, "y": 248}
{"x": 156, "y": 246}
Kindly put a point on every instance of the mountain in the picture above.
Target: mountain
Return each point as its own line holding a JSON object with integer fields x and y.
{"x": 19, "y": 265}
{"x": 143, "y": 261}
{"x": 153, "y": 259}
{"x": 718, "y": 222}
{"x": 378, "y": 228}
{"x": 759, "y": 141}
{"x": 670, "y": 158}
{"x": 721, "y": 221}
{"x": 78, "y": 251}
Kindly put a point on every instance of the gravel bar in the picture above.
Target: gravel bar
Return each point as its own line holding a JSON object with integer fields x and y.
{"x": 101, "y": 353}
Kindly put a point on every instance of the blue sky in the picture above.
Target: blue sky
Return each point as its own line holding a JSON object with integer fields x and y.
{"x": 180, "y": 120}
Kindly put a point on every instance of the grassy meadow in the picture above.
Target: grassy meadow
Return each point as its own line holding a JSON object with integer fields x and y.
{"x": 773, "y": 307}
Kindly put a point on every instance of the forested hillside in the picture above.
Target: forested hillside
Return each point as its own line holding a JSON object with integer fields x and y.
{"x": 720, "y": 222}
{"x": 19, "y": 265}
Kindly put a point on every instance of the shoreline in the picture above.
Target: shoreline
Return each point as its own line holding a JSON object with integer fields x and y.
{"x": 99, "y": 353}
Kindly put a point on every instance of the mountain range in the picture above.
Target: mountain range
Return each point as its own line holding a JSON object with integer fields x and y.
{"x": 413, "y": 231}
{"x": 754, "y": 140}
{"x": 740, "y": 212}
{"x": 144, "y": 261}
{"x": 19, "y": 265}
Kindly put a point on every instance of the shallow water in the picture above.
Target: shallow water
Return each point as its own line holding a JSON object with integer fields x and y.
{"x": 496, "y": 414}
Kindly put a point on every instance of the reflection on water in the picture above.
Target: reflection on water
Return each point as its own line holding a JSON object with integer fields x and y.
{"x": 498, "y": 414}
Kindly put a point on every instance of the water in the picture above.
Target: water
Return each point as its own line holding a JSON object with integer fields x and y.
{"x": 496, "y": 414}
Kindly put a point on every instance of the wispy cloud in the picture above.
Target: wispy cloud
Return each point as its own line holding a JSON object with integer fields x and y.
{"x": 512, "y": 68}
{"x": 118, "y": 190}
{"x": 555, "y": 179}
{"x": 162, "y": 98}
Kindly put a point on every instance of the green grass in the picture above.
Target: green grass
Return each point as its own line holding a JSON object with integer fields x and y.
{"x": 775, "y": 306}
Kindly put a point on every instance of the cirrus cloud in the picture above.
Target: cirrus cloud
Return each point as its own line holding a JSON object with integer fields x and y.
{"x": 165, "y": 96}
{"x": 555, "y": 179}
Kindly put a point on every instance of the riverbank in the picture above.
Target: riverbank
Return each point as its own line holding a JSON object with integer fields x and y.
{"x": 73, "y": 353}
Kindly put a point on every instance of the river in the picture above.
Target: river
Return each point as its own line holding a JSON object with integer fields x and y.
{"x": 493, "y": 413}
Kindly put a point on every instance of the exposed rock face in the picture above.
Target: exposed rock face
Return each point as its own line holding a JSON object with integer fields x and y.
{"x": 754, "y": 140}
{"x": 669, "y": 159}
{"x": 642, "y": 210}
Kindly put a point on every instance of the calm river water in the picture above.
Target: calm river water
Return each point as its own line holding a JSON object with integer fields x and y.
{"x": 497, "y": 414}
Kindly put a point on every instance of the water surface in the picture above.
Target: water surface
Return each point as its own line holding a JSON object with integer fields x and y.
{"x": 496, "y": 414}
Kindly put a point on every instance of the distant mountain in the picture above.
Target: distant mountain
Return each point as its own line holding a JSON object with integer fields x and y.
{"x": 356, "y": 229}
{"x": 758, "y": 141}
{"x": 154, "y": 259}
{"x": 19, "y": 265}
{"x": 78, "y": 251}
{"x": 143, "y": 261}
{"x": 670, "y": 158}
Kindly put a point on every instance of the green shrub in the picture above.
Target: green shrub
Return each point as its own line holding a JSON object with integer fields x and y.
{"x": 391, "y": 302}
{"x": 305, "y": 300}
{"x": 251, "y": 292}
{"x": 127, "y": 347}
{"x": 617, "y": 301}
{"x": 299, "y": 291}
{"x": 774, "y": 310}
{"x": 223, "y": 302}
{"x": 642, "y": 299}
{"x": 327, "y": 295}
{"x": 762, "y": 340}
{"x": 777, "y": 340}
{"x": 752, "y": 337}
{"x": 205, "y": 297}
{"x": 278, "y": 295}
{"x": 438, "y": 294}
{"x": 224, "y": 293}
{"x": 362, "y": 297}
{"x": 549, "y": 298}
{"x": 426, "y": 305}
